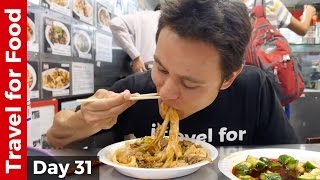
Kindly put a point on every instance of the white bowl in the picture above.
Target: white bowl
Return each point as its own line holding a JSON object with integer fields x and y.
{"x": 108, "y": 16}
{"x": 31, "y": 23}
{"x": 88, "y": 6}
{"x": 34, "y": 76}
{"x": 76, "y": 39}
{"x": 106, "y": 153}
{"x": 57, "y": 23}
{"x": 226, "y": 164}
{"x": 49, "y": 71}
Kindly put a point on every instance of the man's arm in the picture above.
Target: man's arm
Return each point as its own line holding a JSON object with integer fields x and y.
{"x": 69, "y": 126}
{"x": 122, "y": 27}
{"x": 302, "y": 27}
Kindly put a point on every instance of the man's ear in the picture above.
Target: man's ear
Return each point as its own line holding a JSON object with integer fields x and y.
{"x": 227, "y": 82}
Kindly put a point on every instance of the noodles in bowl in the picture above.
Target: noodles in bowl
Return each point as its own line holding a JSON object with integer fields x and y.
{"x": 135, "y": 155}
{"x": 159, "y": 156}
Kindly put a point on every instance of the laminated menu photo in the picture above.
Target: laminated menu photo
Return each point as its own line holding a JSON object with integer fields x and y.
{"x": 32, "y": 79}
{"x": 103, "y": 17}
{"x": 61, "y": 6}
{"x": 55, "y": 79}
{"x": 83, "y": 10}
{"x": 57, "y": 37}
{"x": 32, "y": 36}
{"x": 82, "y": 42}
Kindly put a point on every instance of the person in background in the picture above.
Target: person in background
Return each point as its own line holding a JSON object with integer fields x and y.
{"x": 135, "y": 34}
{"x": 198, "y": 71}
{"x": 280, "y": 17}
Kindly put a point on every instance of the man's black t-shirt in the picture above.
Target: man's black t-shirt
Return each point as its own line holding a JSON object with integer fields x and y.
{"x": 247, "y": 113}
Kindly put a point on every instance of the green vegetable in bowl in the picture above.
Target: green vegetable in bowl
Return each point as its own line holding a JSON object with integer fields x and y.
{"x": 284, "y": 159}
{"x": 307, "y": 176}
{"x": 309, "y": 166}
{"x": 270, "y": 176}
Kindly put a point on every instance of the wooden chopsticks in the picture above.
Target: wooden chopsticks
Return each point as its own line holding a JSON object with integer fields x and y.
{"x": 133, "y": 97}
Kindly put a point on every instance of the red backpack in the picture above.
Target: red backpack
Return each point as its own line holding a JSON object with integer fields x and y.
{"x": 270, "y": 51}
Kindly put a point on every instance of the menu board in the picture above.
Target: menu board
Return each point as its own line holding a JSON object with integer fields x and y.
{"x": 32, "y": 38}
{"x": 82, "y": 78}
{"x": 103, "y": 47}
{"x": 83, "y": 10}
{"x": 82, "y": 42}
{"x": 32, "y": 79}
{"x": 55, "y": 79}
{"x": 61, "y": 6}
{"x": 56, "y": 37}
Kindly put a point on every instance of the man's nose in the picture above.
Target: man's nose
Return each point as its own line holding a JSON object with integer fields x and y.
{"x": 169, "y": 90}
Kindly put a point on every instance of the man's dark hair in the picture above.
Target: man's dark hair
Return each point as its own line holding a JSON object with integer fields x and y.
{"x": 223, "y": 24}
{"x": 158, "y": 7}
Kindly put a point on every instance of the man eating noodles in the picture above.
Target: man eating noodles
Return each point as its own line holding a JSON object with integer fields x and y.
{"x": 198, "y": 71}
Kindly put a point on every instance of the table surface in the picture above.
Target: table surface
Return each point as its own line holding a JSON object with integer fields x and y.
{"x": 210, "y": 171}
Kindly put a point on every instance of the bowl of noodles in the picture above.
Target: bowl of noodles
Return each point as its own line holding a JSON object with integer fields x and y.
{"x": 57, "y": 33}
{"x": 31, "y": 77}
{"x": 55, "y": 79}
{"x": 82, "y": 8}
{"x": 159, "y": 156}
{"x": 151, "y": 171}
{"x": 82, "y": 42}
{"x": 103, "y": 17}
{"x": 30, "y": 30}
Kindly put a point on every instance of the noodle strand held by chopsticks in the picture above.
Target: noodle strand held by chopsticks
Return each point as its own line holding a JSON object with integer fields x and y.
{"x": 154, "y": 146}
{"x": 173, "y": 148}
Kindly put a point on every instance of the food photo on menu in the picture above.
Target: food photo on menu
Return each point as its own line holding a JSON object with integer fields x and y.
{"x": 83, "y": 10}
{"x": 32, "y": 33}
{"x": 55, "y": 79}
{"x": 57, "y": 37}
{"x": 82, "y": 42}
{"x": 32, "y": 79}
{"x": 61, "y": 6}
{"x": 103, "y": 17}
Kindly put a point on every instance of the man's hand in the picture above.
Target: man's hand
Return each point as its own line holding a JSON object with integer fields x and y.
{"x": 309, "y": 9}
{"x": 69, "y": 126}
{"x": 103, "y": 114}
{"x": 138, "y": 65}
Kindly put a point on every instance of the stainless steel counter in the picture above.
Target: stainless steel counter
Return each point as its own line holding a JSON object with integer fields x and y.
{"x": 210, "y": 171}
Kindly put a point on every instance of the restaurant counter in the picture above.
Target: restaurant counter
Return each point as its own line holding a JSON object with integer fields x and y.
{"x": 210, "y": 171}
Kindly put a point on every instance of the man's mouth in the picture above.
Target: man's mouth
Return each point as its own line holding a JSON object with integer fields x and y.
{"x": 180, "y": 114}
